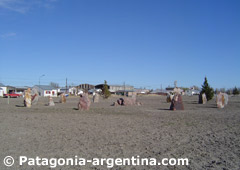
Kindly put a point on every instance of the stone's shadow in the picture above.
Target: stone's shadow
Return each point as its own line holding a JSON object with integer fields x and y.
{"x": 75, "y": 109}
{"x": 19, "y": 105}
{"x": 165, "y": 109}
{"x": 211, "y": 107}
{"x": 215, "y": 107}
{"x": 192, "y": 102}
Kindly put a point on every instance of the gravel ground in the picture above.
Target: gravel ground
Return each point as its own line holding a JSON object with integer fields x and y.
{"x": 209, "y": 137}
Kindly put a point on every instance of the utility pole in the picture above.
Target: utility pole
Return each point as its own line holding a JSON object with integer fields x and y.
{"x": 66, "y": 86}
{"x": 39, "y": 84}
{"x": 124, "y": 87}
{"x": 175, "y": 83}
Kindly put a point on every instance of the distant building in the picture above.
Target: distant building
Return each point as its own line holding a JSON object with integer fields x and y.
{"x": 63, "y": 90}
{"x": 100, "y": 86}
{"x": 46, "y": 90}
{"x": 141, "y": 91}
{"x": 125, "y": 92}
{"x": 1, "y": 90}
{"x": 191, "y": 92}
{"x": 6, "y": 89}
{"x": 170, "y": 89}
{"x": 21, "y": 89}
{"x": 115, "y": 89}
{"x": 159, "y": 92}
{"x": 72, "y": 90}
{"x": 85, "y": 87}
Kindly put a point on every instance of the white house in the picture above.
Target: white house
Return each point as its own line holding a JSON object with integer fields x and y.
{"x": 74, "y": 91}
{"x": 1, "y": 92}
{"x": 6, "y": 89}
{"x": 116, "y": 88}
{"x": 191, "y": 92}
{"x": 45, "y": 90}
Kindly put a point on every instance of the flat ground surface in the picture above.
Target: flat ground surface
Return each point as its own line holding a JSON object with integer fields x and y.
{"x": 209, "y": 137}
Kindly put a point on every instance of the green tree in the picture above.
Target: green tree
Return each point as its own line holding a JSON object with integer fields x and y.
{"x": 105, "y": 91}
{"x": 207, "y": 90}
{"x": 235, "y": 91}
{"x": 229, "y": 91}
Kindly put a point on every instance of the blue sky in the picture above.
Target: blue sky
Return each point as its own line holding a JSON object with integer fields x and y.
{"x": 145, "y": 43}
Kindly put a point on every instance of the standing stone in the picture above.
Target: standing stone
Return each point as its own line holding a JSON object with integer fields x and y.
{"x": 28, "y": 98}
{"x": 50, "y": 101}
{"x": 225, "y": 98}
{"x": 127, "y": 101}
{"x": 62, "y": 98}
{"x": 177, "y": 103}
{"x": 84, "y": 102}
{"x": 169, "y": 98}
{"x": 220, "y": 100}
{"x": 115, "y": 104}
{"x": 202, "y": 98}
{"x": 94, "y": 94}
{"x": 34, "y": 96}
{"x": 96, "y": 98}
{"x": 130, "y": 101}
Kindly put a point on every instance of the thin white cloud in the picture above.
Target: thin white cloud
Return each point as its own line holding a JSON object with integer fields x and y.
{"x": 14, "y": 5}
{"x": 11, "y": 34}
{"x": 22, "y": 6}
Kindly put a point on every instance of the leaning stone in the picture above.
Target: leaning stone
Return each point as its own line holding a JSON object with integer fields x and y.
{"x": 34, "y": 96}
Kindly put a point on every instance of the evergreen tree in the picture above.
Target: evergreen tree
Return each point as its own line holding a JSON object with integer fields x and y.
{"x": 105, "y": 91}
{"x": 207, "y": 90}
{"x": 235, "y": 91}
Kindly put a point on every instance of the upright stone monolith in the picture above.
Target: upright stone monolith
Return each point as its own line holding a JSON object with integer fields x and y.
{"x": 28, "y": 98}
{"x": 96, "y": 98}
{"x": 50, "y": 101}
{"x": 62, "y": 98}
{"x": 202, "y": 98}
{"x": 84, "y": 102}
{"x": 220, "y": 100}
{"x": 177, "y": 103}
{"x": 225, "y": 98}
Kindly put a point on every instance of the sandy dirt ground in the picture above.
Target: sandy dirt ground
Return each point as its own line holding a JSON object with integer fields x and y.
{"x": 209, "y": 137}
